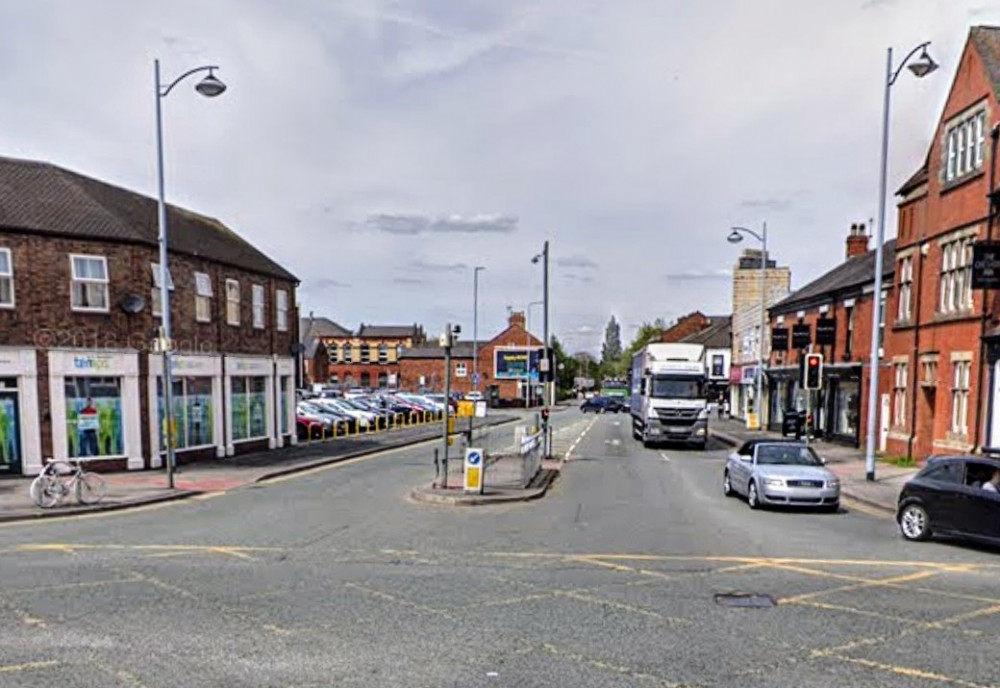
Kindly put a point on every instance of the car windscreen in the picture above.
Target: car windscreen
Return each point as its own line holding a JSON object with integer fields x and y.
{"x": 677, "y": 388}
{"x": 776, "y": 454}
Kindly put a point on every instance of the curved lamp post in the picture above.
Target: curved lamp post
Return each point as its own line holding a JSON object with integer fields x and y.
{"x": 736, "y": 236}
{"x": 209, "y": 87}
{"x": 923, "y": 66}
{"x": 550, "y": 385}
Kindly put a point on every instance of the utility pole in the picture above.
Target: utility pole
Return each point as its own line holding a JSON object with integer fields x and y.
{"x": 447, "y": 342}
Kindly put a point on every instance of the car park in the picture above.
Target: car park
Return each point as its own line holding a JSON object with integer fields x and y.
{"x": 781, "y": 472}
{"x": 947, "y": 498}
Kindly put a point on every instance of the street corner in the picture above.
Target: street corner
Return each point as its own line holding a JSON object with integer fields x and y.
{"x": 20, "y": 513}
{"x": 431, "y": 494}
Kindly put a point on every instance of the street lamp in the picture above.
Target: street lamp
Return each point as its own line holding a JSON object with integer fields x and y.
{"x": 475, "y": 326}
{"x": 920, "y": 68}
{"x": 209, "y": 87}
{"x": 550, "y": 387}
{"x": 735, "y": 237}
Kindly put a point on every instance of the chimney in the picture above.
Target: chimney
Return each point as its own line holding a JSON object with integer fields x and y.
{"x": 517, "y": 319}
{"x": 857, "y": 241}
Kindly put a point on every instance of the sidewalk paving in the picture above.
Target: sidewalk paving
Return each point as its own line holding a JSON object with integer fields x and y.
{"x": 138, "y": 488}
{"x": 847, "y": 462}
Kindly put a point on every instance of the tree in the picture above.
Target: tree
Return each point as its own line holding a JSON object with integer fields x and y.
{"x": 611, "y": 350}
{"x": 566, "y": 370}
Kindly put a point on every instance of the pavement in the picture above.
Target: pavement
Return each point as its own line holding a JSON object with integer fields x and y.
{"x": 847, "y": 462}
{"x": 139, "y": 488}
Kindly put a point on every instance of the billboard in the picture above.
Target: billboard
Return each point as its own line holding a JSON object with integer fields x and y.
{"x": 512, "y": 363}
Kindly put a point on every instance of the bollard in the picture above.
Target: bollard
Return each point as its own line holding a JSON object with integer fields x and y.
{"x": 437, "y": 468}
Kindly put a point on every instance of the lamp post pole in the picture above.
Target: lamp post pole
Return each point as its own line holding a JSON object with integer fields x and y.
{"x": 920, "y": 70}
{"x": 475, "y": 326}
{"x": 209, "y": 87}
{"x": 763, "y": 329}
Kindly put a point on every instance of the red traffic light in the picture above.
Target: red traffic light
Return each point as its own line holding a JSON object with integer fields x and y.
{"x": 813, "y": 361}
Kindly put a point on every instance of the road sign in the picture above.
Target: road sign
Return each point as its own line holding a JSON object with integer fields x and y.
{"x": 474, "y": 470}
{"x": 475, "y": 379}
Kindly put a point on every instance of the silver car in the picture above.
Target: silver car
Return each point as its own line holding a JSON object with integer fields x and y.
{"x": 785, "y": 473}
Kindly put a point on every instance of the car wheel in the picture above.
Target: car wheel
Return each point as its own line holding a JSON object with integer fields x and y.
{"x": 753, "y": 498}
{"x": 727, "y": 486}
{"x": 914, "y": 523}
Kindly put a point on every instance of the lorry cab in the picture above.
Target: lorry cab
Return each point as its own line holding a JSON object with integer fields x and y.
{"x": 668, "y": 394}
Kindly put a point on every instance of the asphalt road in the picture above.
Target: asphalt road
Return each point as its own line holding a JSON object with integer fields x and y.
{"x": 336, "y": 578}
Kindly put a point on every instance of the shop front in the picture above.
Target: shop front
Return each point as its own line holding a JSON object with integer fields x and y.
{"x": 196, "y": 397}
{"x": 250, "y": 402}
{"x": 94, "y": 397}
{"x": 284, "y": 369}
{"x": 841, "y": 404}
{"x": 783, "y": 395}
{"x": 20, "y": 436}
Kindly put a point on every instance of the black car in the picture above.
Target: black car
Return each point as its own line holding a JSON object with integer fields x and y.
{"x": 603, "y": 405}
{"x": 947, "y": 498}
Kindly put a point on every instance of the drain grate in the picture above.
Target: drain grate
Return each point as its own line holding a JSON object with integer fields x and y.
{"x": 749, "y": 600}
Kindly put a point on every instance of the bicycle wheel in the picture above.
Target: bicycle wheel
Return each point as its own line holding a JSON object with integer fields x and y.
{"x": 90, "y": 488}
{"x": 44, "y": 492}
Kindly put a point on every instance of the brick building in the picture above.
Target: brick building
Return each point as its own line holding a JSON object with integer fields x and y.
{"x": 501, "y": 365}
{"x": 368, "y": 358}
{"x": 746, "y": 323}
{"x": 831, "y": 315}
{"x": 938, "y": 322}
{"x": 79, "y": 311}
{"x": 686, "y": 326}
{"x": 315, "y": 358}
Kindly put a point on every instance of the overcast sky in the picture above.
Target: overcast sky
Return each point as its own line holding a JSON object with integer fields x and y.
{"x": 380, "y": 149}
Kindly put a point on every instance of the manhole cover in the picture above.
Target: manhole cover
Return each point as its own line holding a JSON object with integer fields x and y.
{"x": 739, "y": 599}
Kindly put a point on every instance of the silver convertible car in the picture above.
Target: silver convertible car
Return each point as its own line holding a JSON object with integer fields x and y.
{"x": 785, "y": 473}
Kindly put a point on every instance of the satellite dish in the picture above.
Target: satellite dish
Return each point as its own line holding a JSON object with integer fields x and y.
{"x": 132, "y": 304}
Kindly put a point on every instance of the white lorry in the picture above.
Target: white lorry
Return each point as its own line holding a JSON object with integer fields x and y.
{"x": 668, "y": 394}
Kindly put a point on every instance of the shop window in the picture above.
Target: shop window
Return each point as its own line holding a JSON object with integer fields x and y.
{"x": 383, "y": 380}
{"x": 89, "y": 284}
{"x": 848, "y": 407}
{"x": 202, "y": 297}
{"x": 232, "y": 302}
{"x": 960, "y": 397}
{"x": 248, "y": 408}
{"x": 366, "y": 380}
{"x": 6, "y": 279}
{"x": 257, "y": 293}
{"x": 191, "y": 398}
{"x": 94, "y": 416}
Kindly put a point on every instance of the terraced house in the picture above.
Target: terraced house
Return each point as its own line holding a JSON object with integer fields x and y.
{"x": 80, "y": 310}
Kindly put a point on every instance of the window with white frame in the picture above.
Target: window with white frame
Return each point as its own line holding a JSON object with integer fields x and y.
{"x": 366, "y": 353}
{"x": 383, "y": 353}
{"x": 89, "y": 283}
{"x": 960, "y": 397}
{"x": 966, "y": 146}
{"x": 156, "y": 294}
{"x": 202, "y": 297}
{"x": 905, "y": 288}
{"x": 281, "y": 310}
{"x": 257, "y": 292}
{"x": 333, "y": 352}
{"x": 348, "y": 356}
{"x": 6, "y": 279}
{"x": 232, "y": 302}
{"x": 461, "y": 370}
{"x": 899, "y": 395}
{"x": 956, "y": 276}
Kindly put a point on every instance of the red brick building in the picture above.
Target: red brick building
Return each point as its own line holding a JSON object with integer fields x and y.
{"x": 79, "y": 312}
{"x": 833, "y": 315}
{"x": 367, "y": 359}
{"x": 501, "y": 365}
{"x": 937, "y": 373}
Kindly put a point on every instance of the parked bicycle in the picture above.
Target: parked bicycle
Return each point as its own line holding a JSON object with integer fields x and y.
{"x": 60, "y": 478}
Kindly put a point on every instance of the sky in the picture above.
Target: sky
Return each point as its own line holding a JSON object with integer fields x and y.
{"x": 380, "y": 150}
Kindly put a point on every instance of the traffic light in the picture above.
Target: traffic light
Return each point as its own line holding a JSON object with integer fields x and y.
{"x": 813, "y": 372}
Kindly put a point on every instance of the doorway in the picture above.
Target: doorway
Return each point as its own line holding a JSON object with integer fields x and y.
{"x": 10, "y": 432}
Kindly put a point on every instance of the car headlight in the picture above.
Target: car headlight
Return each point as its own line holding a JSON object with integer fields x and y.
{"x": 833, "y": 482}
{"x": 774, "y": 482}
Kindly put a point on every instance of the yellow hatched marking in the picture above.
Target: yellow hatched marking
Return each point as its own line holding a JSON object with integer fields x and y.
{"x": 888, "y": 582}
{"x": 27, "y": 666}
{"x": 909, "y": 672}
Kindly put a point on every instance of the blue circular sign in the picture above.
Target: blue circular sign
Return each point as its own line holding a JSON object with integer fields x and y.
{"x": 474, "y": 458}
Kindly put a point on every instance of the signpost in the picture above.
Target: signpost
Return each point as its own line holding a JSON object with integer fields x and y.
{"x": 474, "y": 470}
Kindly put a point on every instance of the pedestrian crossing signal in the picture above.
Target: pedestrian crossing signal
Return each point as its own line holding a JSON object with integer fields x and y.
{"x": 813, "y": 372}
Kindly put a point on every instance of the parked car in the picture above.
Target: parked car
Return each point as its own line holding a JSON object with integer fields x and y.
{"x": 780, "y": 472}
{"x": 947, "y": 498}
{"x": 474, "y": 395}
{"x": 603, "y": 405}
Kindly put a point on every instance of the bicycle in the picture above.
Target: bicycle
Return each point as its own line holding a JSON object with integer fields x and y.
{"x": 59, "y": 478}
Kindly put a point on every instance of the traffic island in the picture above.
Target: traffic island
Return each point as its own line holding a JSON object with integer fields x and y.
{"x": 456, "y": 496}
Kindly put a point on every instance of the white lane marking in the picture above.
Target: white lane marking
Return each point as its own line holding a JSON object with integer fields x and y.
{"x": 665, "y": 457}
{"x": 613, "y": 443}
{"x": 569, "y": 452}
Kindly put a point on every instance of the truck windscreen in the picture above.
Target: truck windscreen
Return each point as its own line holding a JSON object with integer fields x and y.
{"x": 677, "y": 388}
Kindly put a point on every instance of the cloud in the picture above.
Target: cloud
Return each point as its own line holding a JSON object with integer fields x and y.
{"x": 410, "y": 281}
{"x": 698, "y": 275}
{"x": 317, "y": 283}
{"x": 573, "y": 277}
{"x": 418, "y": 224}
{"x": 773, "y": 205}
{"x": 586, "y": 329}
{"x": 576, "y": 262}
{"x": 422, "y": 266}
{"x": 871, "y": 4}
